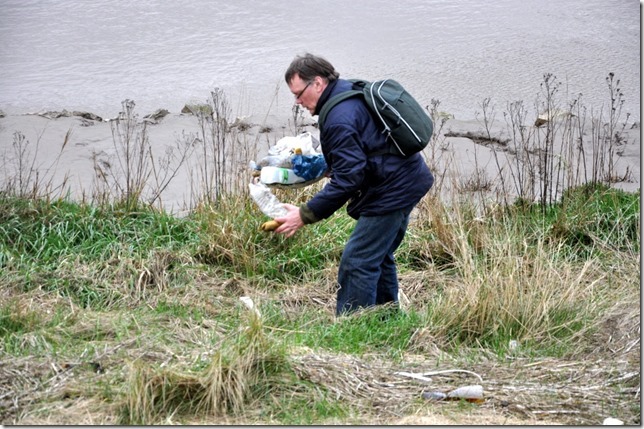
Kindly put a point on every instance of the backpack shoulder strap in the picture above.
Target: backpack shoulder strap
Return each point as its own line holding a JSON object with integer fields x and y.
{"x": 334, "y": 101}
{"x": 357, "y": 90}
{"x": 360, "y": 88}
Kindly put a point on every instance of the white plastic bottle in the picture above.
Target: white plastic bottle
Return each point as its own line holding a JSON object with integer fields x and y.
{"x": 267, "y": 202}
{"x": 285, "y": 176}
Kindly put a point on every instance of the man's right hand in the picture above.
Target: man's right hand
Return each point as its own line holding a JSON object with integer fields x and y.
{"x": 291, "y": 222}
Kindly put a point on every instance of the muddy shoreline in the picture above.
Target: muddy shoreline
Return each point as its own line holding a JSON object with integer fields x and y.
{"x": 65, "y": 147}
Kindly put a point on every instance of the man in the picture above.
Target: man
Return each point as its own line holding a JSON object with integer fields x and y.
{"x": 381, "y": 189}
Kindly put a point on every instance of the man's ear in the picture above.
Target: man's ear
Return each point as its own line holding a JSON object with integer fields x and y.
{"x": 320, "y": 83}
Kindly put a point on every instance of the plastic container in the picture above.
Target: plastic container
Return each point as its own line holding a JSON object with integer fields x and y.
{"x": 472, "y": 393}
{"x": 284, "y": 176}
{"x": 266, "y": 201}
{"x": 282, "y": 161}
{"x": 434, "y": 396}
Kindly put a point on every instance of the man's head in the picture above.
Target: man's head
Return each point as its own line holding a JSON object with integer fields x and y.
{"x": 307, "y": 77}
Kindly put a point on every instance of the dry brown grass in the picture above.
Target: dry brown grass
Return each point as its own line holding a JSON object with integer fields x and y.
{"x": 599, "y": 381}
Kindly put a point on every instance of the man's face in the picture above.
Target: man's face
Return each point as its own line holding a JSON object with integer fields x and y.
{"x": 306, "y": 93}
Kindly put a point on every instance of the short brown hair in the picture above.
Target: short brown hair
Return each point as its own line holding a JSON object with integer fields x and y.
{"x": 308, "y": 66}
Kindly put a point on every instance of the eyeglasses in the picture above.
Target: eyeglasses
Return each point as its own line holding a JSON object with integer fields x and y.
{"x": 297, "y": 97}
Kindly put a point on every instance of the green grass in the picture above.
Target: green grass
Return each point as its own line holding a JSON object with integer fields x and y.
{"x": 38, "y": 232}
{"x": 300, "y": 411}
{"x": 16, "y": 322}
{"x": 378, "y": 330}
{"x": 80, "y": 280}
{"x": 81, "y": 252}
{"x": 262, "y": 256}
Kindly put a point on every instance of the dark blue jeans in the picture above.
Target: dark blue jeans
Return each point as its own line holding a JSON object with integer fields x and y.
{"x": 367, "y": 275}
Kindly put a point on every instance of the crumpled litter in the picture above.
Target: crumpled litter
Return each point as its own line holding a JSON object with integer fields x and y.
{"x": 297, "y": 154}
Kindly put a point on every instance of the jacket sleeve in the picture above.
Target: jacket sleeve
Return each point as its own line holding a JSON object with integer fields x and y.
{"x": 307, "y": 215}
{"x": 348, "y": 162}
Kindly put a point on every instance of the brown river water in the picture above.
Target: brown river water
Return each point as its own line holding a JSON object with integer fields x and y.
{"x": 92, "y": 55}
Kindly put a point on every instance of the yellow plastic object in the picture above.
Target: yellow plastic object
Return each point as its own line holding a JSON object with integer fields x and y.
{"x": 270, "y": 225}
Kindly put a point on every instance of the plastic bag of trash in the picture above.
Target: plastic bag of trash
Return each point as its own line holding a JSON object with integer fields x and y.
{"x": 280, "y": 154}
{"x": 293, "y": 162}
{"x": 305, "y": 142}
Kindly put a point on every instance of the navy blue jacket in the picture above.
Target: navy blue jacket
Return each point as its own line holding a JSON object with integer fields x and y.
{"x": 371, "y": 184}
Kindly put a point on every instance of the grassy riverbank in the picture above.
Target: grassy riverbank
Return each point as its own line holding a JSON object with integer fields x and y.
{"x": 133, "y": 316}
{"x": 520, "y": 273}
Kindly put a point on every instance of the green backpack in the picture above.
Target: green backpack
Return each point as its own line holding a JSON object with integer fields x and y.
{"x": 407, "y": 125}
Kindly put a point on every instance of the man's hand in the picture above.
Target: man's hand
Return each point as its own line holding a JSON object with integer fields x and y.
{"x": 291, "y": 222}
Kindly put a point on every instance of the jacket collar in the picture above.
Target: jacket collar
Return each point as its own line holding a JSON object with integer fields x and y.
{"x": 325, "y": 96}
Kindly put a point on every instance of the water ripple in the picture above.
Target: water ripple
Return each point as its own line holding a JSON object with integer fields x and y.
{"x": 92, "y": 55}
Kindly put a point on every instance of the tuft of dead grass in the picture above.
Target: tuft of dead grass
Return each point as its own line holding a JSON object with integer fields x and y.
{"x": 222, "y": 388}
